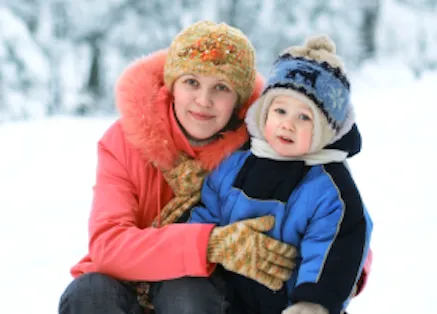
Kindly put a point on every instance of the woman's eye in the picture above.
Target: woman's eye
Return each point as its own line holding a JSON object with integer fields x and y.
{"x": 192, "y": 82}
{"x": 280, "y": 111}
{"x": 222, "y": 88}
{"x": 304, "y": 117}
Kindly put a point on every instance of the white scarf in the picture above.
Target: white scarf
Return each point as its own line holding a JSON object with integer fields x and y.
{"x": 262, "y": 149}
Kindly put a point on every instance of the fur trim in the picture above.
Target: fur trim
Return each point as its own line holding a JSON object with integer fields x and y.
{"x": 144, "y": 103}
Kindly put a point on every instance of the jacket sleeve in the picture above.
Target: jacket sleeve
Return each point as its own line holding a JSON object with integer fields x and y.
{"x": 335, "y": 244}
{"x": 117, "y": 246}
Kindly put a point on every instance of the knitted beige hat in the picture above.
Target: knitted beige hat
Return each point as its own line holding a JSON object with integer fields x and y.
{"x": 213, "y": 49}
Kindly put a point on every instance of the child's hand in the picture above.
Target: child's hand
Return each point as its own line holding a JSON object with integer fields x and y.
{"x": 242, "y": 247}
{"x": 305, "y": 308}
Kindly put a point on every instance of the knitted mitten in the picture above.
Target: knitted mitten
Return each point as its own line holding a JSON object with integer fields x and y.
{"x": 242, "y": 248}
{"x": 305, "y": 308}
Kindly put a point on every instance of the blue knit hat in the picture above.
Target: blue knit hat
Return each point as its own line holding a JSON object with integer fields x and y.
{"x": 315, "y": 75}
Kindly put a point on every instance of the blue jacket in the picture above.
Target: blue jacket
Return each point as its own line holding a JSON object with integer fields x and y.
{"x": 318, "y": 209}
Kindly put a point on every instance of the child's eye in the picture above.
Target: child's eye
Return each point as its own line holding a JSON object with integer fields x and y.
{"x": 304, "y": 117}
{"x": 222, "y": 88}
{"x": 280, "y": 111}
{"x": 192, "y": 82}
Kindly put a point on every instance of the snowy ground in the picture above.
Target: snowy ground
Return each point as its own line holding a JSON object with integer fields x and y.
{"x": 47, "y": 172}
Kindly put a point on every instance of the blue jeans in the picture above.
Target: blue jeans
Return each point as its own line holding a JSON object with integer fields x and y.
{"x": 96, "y": 293}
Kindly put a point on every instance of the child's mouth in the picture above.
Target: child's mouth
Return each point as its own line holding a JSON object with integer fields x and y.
{"x": 286, "y": 140}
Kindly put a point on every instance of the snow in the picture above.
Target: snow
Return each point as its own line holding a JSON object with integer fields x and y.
{"x": 47, "y": 169}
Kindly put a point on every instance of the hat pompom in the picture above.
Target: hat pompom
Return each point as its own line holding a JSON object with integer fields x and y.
{"x": 321, "y": 42}
{"x": 318, "y": 48}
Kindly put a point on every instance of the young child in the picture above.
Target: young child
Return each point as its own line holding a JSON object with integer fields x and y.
{"x": 291, "y": 173}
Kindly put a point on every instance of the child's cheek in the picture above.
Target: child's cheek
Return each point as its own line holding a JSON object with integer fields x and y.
{"x": 268, "y": 131}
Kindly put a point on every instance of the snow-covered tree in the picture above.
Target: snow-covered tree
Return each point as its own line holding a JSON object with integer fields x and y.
{"x": 64, "y": 56}
{"x": 23, "y": 70}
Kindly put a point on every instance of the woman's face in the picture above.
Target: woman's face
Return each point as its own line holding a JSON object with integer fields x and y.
{"x": 203, "y": 104}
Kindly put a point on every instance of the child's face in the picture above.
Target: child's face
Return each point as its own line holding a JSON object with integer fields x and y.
{"x": 203, "y": 104}
{"x": 289, "y": 126}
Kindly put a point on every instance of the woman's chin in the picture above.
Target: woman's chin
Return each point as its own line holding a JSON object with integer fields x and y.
{"x": 200, "y": 136}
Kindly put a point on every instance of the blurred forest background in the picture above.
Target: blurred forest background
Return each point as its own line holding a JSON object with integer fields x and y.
{"x": 62, "y": 57}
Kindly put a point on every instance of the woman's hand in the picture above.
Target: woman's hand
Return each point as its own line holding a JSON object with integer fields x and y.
{"x": 242, "y": 248}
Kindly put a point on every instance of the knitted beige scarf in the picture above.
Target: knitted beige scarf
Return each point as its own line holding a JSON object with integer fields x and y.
{"x": 185, "y": 179}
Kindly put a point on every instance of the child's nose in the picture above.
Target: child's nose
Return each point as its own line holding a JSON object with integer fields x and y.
{"x": 288, "y": 124}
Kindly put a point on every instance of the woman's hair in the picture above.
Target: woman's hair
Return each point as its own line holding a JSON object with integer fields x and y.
{"x": 234, "y": 122}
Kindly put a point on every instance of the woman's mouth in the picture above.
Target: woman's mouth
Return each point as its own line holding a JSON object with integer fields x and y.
{"x": 201, "y": 116}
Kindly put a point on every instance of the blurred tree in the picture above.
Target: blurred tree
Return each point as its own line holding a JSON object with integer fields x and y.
{"x": 369, "y": 28}
{"x": 88, "y": 43}
{"x": 28, "y": 11}
{"x": 23, "y": 70}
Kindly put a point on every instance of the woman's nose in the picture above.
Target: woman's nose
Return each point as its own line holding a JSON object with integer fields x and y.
{"x": 203, "y": 98}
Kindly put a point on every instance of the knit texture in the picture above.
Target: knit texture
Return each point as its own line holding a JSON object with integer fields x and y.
{"x": 242, "y": 248}
{"x": 213, "y": 49}
{"x": 185, "y": 179}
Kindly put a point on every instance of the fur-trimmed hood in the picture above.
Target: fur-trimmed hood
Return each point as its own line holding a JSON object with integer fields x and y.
{"x": 145, "y": 106}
